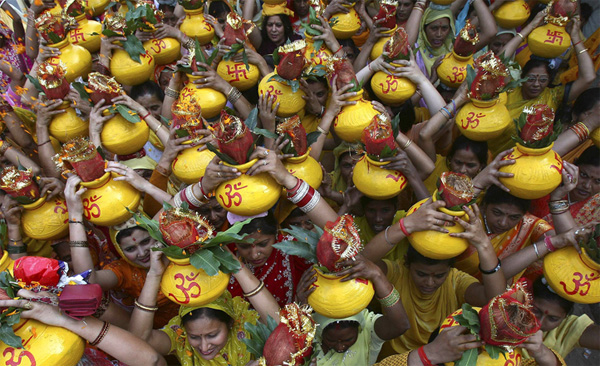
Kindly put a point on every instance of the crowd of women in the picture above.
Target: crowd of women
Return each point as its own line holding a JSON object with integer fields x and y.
{"x": 137, "y": 324}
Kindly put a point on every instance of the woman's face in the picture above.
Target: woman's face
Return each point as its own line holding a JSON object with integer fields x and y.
{"x": 339, "y": 339}
{"x": 136, "y": 247}
{"x": 538, "y": 79}
{"x": 428, "y": 277}
{"x": 588, "y": 183}
{"x": 301, "y": 8}
{"x": 498, "y": 42}
{"x": 465, "y": 162}
{"x": 379, "y": 214}
{"x": 152, "y": 104}
{"x": 320, "y": 90}
{"x": 214, "y": 212}
{"x": 302, "y": 221}
{"x": 501, "y": 217}
{"x": 275, "y": 30}
{"x": 347, "y": 163}
{"x": 259, "y": 251}
{"x": 437, "y": 31}
{"x": 548, "y": 313}
{"x": 207, "y": 336}
{"x": 403, "y": 10}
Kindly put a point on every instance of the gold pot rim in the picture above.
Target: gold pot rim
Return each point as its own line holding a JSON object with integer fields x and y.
{"x": 38, "y": 203}
{"x": 242, "y": 167}
{"x": 534, "y": 151}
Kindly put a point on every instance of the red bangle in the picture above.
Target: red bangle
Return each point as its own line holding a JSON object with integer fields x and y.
{"x": 402, "y": 227}
{"x": 185, "y": 199}
{"x": 548, "y": 243}
{"x": 423, "y": 357}
{"x": 339, "y": 49}
{"x": 146, "y": 116}
{"x": 207, "y": 197}
{"x": 293, "y": 191}
{"x": 577, "y": 43}
{"x": 306, "y": 199}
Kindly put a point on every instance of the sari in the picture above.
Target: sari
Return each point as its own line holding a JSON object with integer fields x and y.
{"x": 426, "y": 55}
{"x": 363, "y": 352}
{"x": 234, "y": 352}
{"x": 424, "y": 311}
{"x": 525, "y": 233}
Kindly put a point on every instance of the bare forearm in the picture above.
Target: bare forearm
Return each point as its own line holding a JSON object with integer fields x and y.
{"x": 494, "y": 283}
{"x": 262, "y": 301}
{"x": 142, "y": 321}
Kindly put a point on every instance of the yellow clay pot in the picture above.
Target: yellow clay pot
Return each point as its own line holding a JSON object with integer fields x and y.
{"x": 236, "y": 74}
{"x": 428, "y": 243}
{"x": 190, "y": 164}
{"x": 375, "y": 181}
{"x": 45, "y": 220}
{"x": 290, "y": 103}
{"x": 353, "y": 119}
{"x": 549, "y": 41}
{"x": 483, "y": 120}
{"x": 336, "y": 299}
{"x": 316, "y": 57}
{"x": 537, "y": 172}
{"x": 573, "y": 276}
{"x": 129, "y": 72}
{"x": 453, "y": 69}
{"x": 121, "y": 137}
{"x": 377, "y": 49}
{"x": 512, "y": 14}
{"x": 43, "y": 345}
{"x": 211, "y": 101}
{"x": 164, "y": 51}
{"x": 96, "y": 7}
{"x": 87, "y": 34}
{"x": 513, "y": 358}
{"x": 190, "y": 286}
{"x": 595, "y": 136}
{"x": 392, "y": 89}
{"x": 106, "y": 201}
{"x": 195, "y": 26}
{"x": 77, "y": 59}
{"x": 347, "y": 24}
{"x": 248, "y": 195}
{"x": 67, "y": 125}
{"x": 306, "y": 168}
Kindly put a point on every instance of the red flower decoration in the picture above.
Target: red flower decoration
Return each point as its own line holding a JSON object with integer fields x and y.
{"x": 540, "y": 123}
{"x": 397, "y": 47}
{"x": 183, "y": 228}
{"x": 291, "y": 60}
{"x": 339, "y": 242}
{"x": 37, "y": 270}
{"x": 464, "y": 45}
{"x": 296, "y": 132}
{"x": 455, "y": 189}
{"x": 19, "y": 183}
{"x": 378, "y": 135}
{"x": 387, "y": 12}
{"x": 233, "y": 137}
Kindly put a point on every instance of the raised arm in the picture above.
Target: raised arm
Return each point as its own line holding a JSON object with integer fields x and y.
{"x": 414, "y": 21}
{"x": 587, "y": 72}
{"x": 130, "y": 176}
{"x": 511, "y": 46}
{"x": 488, "y": 24}
{"x": 568, "y": 139}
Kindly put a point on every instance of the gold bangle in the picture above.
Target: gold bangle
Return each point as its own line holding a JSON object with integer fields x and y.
{"x": 322, "y": 131}
{"x": 407, "y": 144}
{"x": 144, "y": 307}
{"x": 78, "y": 244}
{"x": 256, "y": 290}
{"x": 522, "y": 37}
{"x": 160, "y": 125}
{"x": 172, "y": 93}
{"x": 582, "y": 51}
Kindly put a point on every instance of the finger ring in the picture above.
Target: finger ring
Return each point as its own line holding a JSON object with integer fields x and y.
{"x": 28, "y": 305}
{"x": 219, "y": 174}
{"x": 266, "y": 152}
{"x": 265, "y": 163}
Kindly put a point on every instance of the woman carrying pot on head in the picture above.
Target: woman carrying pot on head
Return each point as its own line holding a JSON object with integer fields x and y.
{"x": 205, "y": 335}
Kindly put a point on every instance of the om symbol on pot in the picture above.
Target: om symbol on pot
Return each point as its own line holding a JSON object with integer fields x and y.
{"x": 392, "y": 84}
{"x": 158, "y": 45}
{"x": 90, "y": 208}
{"x": 233, "y": 198}
{"x": 580, "y": 284}
{"x": 186, "y": 290}
{"x": 458, "y": 75}
{"x": 21, "y": 354}
{"x": 472, "y": 120}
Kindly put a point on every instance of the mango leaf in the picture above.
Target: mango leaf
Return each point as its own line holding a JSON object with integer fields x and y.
{"x": 133, "y": 46}
{"x": 276, "y": 57}
{"x": 8, "y": 284}
{"x": 24, "y": 200}
{"x": 495, "y": 351}
{"x": 111, "y": 33}
{"x": 230, "y": 235}
{"x": 300, "y": 249}
{"x": 127, "y": 113}
{"x": 245, "y": 59}
{"x": 212, "y": 56}
{"x": 101, "y": 152}
{"x": 469, "y": 319}
{"x": 258, "y": 335}
{"x": 8, "y": 336}
{"x": 172, "y": 251}
{"x": 395, "y": 123}
{"x": 181, "y": 132}
{"x": 266, "y": 133}
{"x": 151, "y": 226}
{"x": 252, "y": 121}
{"x": 470, "y": 74}
{"x": 229, "y": 264}
{"x": 206, "y": 260}
{"x": 303, "y": 235}
{"x": 3, "y": 231}
{"x": 35, "y": 82}
{"x": 77, "y": 85}
{"x": 233, "y": 51}
{"x": 469, "y": 358}
{"x": 226, "y": 158}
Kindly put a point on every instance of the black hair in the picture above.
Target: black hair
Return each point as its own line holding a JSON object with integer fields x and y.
{"x": 265, "y": 225}
{"x": 126, "y": 233}
{"x": 479, "y": 148}
{"x": 590, "y": 156}
{"x": 586, "y": 101}
{"x": 288, "y": 31}
{"x": 147, "y": 87}
{"x": 413, "y": 256}
{"x": 537, "y": 62}
{"x": 342, "y": 324}
{"x": 365, "y": 200}
{"x": 168, "y": 7}
{"x": 541, "y": 291}
{"x": 349, "y": 43}
{"x": 495, "y": 195}
{"x": 208, "y": 313}
{"x": 217, "y": 8}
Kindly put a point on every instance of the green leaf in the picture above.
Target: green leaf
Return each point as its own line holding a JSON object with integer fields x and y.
{"x": 470, "y": 74}
{"x": 81, "y": 90}
{"x": 101, "y": 152}
{"x": 259, "y": 334}
{"x": 134, "y": 47}
{"x": 172, "y": 251}
{"x": 312, "y": 137}
{"x": 276, "y": 57}
{"x": 234, "y": 49}
{"x": 229, "y": 264}
{"x": 265, "y": 133}
{"x": 8, "y": 336}
{"x": 300, "y": 249}
{"x": 35, "y": 82}
{"x": 167, "y": 206}
{"x": 245, "y": 59}
{"x": 494, "y": 351}
{"x": 469, "y": 358}
{"x": 294, "y": 84}
{"x": 226, "y": 158}
{"x": 149, "y": 225}
{"x": 125, "y": 112}
{"x": 54, "y": 38}
{"x": 252, "y": 121}
{"x": 181, "y": 132}
{"x": 206, "y": 260}
{"x": 212, "y": 56}
{"x": 111, "y": 33}
{"x": 3, "y": 231}
{"x": 24, "y": 200}
{"x": 230, "y": 235}
{"x": 253, "y": 346}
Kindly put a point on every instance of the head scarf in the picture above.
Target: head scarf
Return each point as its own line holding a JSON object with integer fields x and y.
{"x": 234, "y": 352}
{"x": 428, "y": 54}
{"x": 114, "y": 231}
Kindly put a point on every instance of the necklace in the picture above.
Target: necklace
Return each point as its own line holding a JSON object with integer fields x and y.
{"x": 487, "y": 229}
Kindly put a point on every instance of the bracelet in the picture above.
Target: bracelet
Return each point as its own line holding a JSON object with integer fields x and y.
{"x": 548, "y": 243}
{"x": 575, "y": 44}
{"x": 16, "y": 249}
{"x": 407, "y": 144}
{"x": 558, "y": 207}
{"x": 15, "y": 241}
{"x": 418, "y": 8}
{"x": 206, "y": 196}
{"x": 403, "y": 228}
{"x": 150, "y": 309}
{"x": 454, "y": 106}
{"x": 43, "y": 143}
{"x": 522, "y": 37}
{"x": 423, "y": 357}
{"x": 181, "y": 197}
{"x": 233, "y": 95}
{"x": 386, "y": 237}
{"x": 537, "y": 253}
{"x": 581, "y": 130}
{"x": 322, "y": 131}
{"x": 101, "y": 335}
{"x": 261, "y": 285}
{"x": 582, "y": 51}
{"x": 189, "y": 193}
{"x": 170, "y": 92}
{"x": 339, "y": 49}
{"x": 293, "y": 191}
{"x": 496, "y": 269}
{"x": 442, "y": 110}
{"x": 160, "y": 125}
{"x": 146, "y": 116}
{"x": 391, "y": 299}
{"x": 299, "y": 192}
{"x": 79, "y": 244}
{"x": 75, "y": 222}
